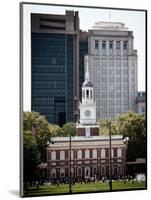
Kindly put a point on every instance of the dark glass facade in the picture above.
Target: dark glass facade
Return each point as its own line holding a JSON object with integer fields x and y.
{"x": 53, "y": 76}
{"x": 83, "y": 47}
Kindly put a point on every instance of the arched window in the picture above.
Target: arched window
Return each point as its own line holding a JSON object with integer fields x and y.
{"x": 87, "y": 93}
{"x": 79, "y": 171}
{"x": 53, "y": 173}
{"x": 62, "y": 172}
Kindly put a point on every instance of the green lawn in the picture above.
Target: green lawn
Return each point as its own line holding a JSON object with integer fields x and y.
{"x": 79, "y": 188}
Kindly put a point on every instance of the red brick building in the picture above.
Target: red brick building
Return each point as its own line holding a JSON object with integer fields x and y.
{"x": 89, "y": 157}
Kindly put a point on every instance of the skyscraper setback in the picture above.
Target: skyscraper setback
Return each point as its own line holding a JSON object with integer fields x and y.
{"x": 113, "y": 69}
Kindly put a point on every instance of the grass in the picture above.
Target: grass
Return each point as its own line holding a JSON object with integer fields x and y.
{"x": 83, "y": 188}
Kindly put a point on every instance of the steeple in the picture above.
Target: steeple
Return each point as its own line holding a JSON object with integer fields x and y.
{"x": 87, "y": 105}
{"x": 87, "y": 82}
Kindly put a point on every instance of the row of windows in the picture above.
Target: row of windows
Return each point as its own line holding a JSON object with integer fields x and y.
{"x": 48, "y": 84}
{"x": 48, "y": 69}
{"x": 111, "y": 44}
{"x": 52, "y": 61}
{"x": 80, "y": 155}
{"x": 113, "y": 72}
{"x": 117, "y": 109}
{"x": 116, "y": 169}
{"x": 48, "y": 77}
{"x": 111, "y": 79}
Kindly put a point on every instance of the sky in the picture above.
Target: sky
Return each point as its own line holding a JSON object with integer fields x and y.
{"x": 134, "y": 20}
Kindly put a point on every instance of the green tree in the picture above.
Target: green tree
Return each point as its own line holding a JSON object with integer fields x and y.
{"x": 55, "y": 130}
{"x": 31, "y": 156}
{"x": 69, "y": 128}
{"x": 107, "y": 125}
{"x": 133, "y": 126}
{"x": 38, "y": 126}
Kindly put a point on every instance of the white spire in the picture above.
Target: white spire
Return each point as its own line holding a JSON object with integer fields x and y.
{"x": 87, "y": 78}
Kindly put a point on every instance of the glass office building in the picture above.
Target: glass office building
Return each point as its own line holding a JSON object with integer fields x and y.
{"x": 55, "y": 70}
{"x": 83, "y": 47}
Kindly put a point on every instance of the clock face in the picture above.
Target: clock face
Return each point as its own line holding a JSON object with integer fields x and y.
{"x": 87, "y": 113}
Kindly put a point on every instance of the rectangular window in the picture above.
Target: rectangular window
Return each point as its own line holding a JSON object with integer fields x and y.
{"x": 96, "y": 44}
{"x": 79, "y": 154}
{"x": 110, "y": 44}
{"x": 117, "y": 45}
{"x": 102, "y": 153}
{"x": 94, "y": 153}
{"x": 103, "y": 44}
{"x": 87, "y": 153}
{"x": 119, "y": 153}
{"x": 125, "y": 45}
{"x": 53, "y": 155}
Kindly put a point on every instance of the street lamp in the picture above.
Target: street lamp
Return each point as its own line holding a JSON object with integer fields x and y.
{"x": 110, "y": 156}
{"x": 108, "y": 124}
{"x": 125, "y": 140}
{"x": 70, "y": 184}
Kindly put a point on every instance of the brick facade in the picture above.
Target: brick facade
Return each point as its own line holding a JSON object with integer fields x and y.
{"x": 92, "y": 161}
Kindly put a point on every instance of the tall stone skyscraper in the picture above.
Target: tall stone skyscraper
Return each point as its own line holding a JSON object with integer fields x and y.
{"x": 113, "y": 71}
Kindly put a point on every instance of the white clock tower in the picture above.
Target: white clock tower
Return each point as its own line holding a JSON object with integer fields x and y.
{"x": 87, "y": 106}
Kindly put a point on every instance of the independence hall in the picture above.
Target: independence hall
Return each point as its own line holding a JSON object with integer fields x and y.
{"x": 88, "y": 155}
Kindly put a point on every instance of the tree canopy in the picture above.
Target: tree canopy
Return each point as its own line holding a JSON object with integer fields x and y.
{"x": 31, "y": 156}
{"x": 130, "y": 125}
{"x": 133, "y": 126}
{"x": 55, "y": 130}
{"x": 38, "y": 125}
{"x": 69, "y": 128}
